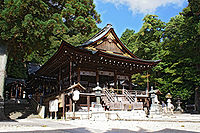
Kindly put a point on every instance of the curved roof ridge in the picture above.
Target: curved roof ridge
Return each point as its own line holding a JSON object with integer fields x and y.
{"x": 98, "y": 35}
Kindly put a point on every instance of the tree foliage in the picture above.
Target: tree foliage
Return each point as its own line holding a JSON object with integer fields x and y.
{"x": 33, "y": 29}
{"x": 177, "y": 43}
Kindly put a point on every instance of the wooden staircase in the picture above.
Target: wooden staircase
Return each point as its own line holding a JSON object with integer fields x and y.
{"x": 126, "y": 102}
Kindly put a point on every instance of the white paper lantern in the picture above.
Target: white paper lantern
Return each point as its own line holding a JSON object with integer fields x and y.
{"x": 76, "y": 95}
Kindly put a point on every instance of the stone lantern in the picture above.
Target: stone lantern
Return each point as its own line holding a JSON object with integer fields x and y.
{"x": 98, "y": 112}
{"x": 155, "y": 108}
{"x": 97, "y": 91}
{"x": 179, "y": 109}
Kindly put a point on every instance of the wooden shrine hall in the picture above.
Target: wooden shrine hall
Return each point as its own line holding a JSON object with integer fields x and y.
{"x": 102, "y": 60}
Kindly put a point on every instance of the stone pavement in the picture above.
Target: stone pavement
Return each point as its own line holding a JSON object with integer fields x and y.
{"x": 179, "y": 123}
{"x": 173, "y": 118}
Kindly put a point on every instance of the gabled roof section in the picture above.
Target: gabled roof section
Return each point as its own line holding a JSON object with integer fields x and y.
{"x": 77, "y": 86}
{"x": 107, "y": 41}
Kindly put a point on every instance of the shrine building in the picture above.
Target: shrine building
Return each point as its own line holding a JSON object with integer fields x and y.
{"x": 102, "y": 61}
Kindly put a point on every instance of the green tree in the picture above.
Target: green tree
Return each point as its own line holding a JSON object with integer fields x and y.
{"x": 79, "y": 16}
{"x": 23, "y": 28}
{"x": 182, "y": 40}
{"x": 27, "y": 26}
{"x": 177, "y": 43}
{"x": 146, "y": 44}
{"x": 125, "y": 38}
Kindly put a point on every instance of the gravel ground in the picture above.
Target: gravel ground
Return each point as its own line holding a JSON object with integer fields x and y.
{"x": 34, "y": 125}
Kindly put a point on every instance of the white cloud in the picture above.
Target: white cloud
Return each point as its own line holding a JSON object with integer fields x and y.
{"x": 145, "y": 6}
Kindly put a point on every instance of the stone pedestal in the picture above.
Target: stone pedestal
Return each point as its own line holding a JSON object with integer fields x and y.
{"x": 98, "y": 116}
{"x": 155, "y": 110}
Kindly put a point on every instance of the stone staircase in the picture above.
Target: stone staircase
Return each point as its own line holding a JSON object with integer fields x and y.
{"x": 20, "y": 109}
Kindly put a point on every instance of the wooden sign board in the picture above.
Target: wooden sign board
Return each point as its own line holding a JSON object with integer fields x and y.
{"x": 107, "y": 73}
{"x": 53, "y": 105}
{"x": 122, "y": 77}
{"x": 88, "y": 73}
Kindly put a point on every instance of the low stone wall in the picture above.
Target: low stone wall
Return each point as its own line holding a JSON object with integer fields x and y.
{"x": 125, "y": 115}
{"x": 108, "y": 115}
{"x": 79, "y": 115}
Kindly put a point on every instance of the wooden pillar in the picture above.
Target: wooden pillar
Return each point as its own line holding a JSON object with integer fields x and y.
{"x": 20, "y": 91}
{"x": 79, "y": 76}
{"x": 88, "y": 103}
{"x": 59, "y": 79}
{"x": 49, "y": 87}
{"x": 147, "y": 91}
{"x": 70, "y": 104}
{"x": 97, "y": 77}
{"x": 147, "y": 102}
{"x": 70, "y": 73}
{"x": 64, "y": 105}
{"x": 11, "y": 91}
{"x": 115, "y": 79}
{"x": 130, "y": 83}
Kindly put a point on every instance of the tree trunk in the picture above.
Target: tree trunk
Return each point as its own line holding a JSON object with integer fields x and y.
{"x": 3, "y": 61}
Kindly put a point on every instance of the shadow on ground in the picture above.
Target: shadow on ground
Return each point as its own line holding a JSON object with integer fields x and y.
{"x": 84, "y": 130}
{"x": 15, "y": 110}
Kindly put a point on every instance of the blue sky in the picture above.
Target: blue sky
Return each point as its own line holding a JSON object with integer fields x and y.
{"x": 124, "y": 14}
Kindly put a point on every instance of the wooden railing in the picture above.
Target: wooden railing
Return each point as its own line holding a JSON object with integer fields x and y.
{"x": 109, "y": 96}
{"x": 137, "y": 92}
{"x": 131, "y": 92}
{"x": 128, "y": 96}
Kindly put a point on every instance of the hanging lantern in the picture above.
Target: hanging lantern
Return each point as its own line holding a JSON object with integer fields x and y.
{"x": 76, "y": 95}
